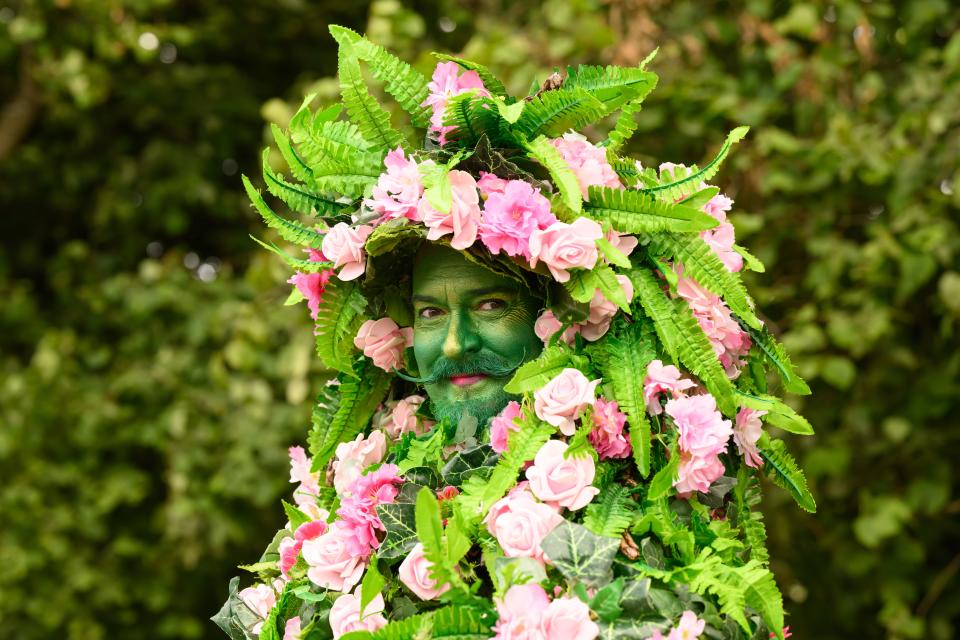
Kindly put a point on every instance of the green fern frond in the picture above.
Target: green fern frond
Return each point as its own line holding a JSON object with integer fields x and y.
{"x": 636, "y": 212}
{"x": 474, "y": 117}
{"x": 697, "y": 354}
{"x": 490, "y": 82}
{"x": 340, "y": 315}
{"x": 549, "y": 364}
{"x": 298, "y": 166}
{"x": 702, "y": 264}
{"x": 613, "y": 85}
{"x": 300, "y": 264}
{"x": 553, "y": 113}
{"x": 657, "y": 306}
{"x": 459, "y": 623}
{"x": 683, "y": 186}
{"x": 624, "y": 128}
{"x": 563, "y": 178}
{"x": 402, "y": 81}
{"x": 299, "y": 197}
{"x": 784, "y": 471}
{"x": 372, "y": 119}
{"x": 289, "y": 231}
{"x": 746, "y": 495}
{"x": 611, "y": 512}
{"x": 777, "y": 356}
{"x": 410, "y": 628}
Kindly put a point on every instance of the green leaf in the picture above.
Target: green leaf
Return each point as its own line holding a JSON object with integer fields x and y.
{"x": 549, "y": 364}
{"x": 300, "y": 264}
{"x": 784, "y": 471}
{"x": 510, "y": 112}
{"x": 298, "y": 197}
{"x": 553, "y": 113}
{"x": 473, "y": 118}
{"x": 631, "y": 211}
{"x": 388, "y": 236}
{"x": 779, "y": 413}
{"x": 611, "y": 512}
{"x": 289, "y": 231}
{"x": 648, "y": 290}
{"x": 398, "y": 520}
{"x": 662, "y": 482}
{"x": 681, "y": 187}
{"x": 614, "y": 255}
{"x": 341, "y": 313}
{"x": 624, "y": 128}
{"x": 750, "y": 260}
{"x": 372, "y": 585}
{"x": 563, "y": 178}
{"x": 746, "y": 495}
{"x": 581, "y": 555}
{"x": 459, "y": 623}
{"x": 697, "y": 354}
{"x": 294, "y": 515}
{"x": 613, "y": 85}
{"x": 372, "y": 119}
{"x": 777, "y": 355}
{"x": 430, "y": 533}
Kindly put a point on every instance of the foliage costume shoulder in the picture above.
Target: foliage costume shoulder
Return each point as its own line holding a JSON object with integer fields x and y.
{"x": 551, "y": 383}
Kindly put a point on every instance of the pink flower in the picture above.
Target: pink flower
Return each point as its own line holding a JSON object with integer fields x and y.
{"x": 588, "y": 162}
{"x": 729, "y": 341}
{"x": 547, "y": 325}
{"x": 560, "y": 481}
{"x": 384, "y": 342}
{"x": 621, "y": 241}
{"x": 300, "y": 472}
{"x": 397, "y": 191}
{"x": 520, "y": 523}
{"x": 560, "y": 401}
{"x": 311, "y": 285}
{"x": 260, "y": 600}
{"x": 746, "y": 432}
{"x": 445, "y": 85}
{"x": 352, "y": 457}
{"x": 414, "y": 572}
{"x": 690, "y": 628}
{"x": 563, "y": 246}
{"x": 291, "y": 630}
{"x": 464, "y": 217}
{"x": 345, "y": 615}
{"x": 510, "y": 216}
{"x": 721, "y": 239}
{"x": 344, "y": 245}
{"x": 602, "y": 311}
{"x": 703, "y": 431}
{"x": 490, "y": 184}
{"x": 568, "y": 619}
{"x": 607, "y": 436}
{"x": 503, "y": 424}
{"x": 662, "y": 378}
{"x": 403, "y": 418}
{"x": 696, "y": 473}
{"x": 332, "y": 565}
{"x": 718, "y": 206}
{"x": 358, "y": 508}
{"x": 520, "y": 611}
{"x": 290, "y": 547}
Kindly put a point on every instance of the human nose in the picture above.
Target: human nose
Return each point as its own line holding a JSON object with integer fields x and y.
{"x": 462, "y": 336}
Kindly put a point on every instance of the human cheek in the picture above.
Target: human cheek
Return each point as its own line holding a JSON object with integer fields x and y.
{"x": 427, "y": 345}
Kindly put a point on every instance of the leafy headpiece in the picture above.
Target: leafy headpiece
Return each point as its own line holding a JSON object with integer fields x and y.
{"x": 639, "y": 428}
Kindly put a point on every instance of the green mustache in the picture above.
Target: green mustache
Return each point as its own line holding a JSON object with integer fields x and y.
{"x": 486, "y": 363}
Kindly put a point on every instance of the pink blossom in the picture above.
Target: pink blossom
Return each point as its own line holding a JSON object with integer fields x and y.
{"x": 291, "y": 630}
{"x": 520, "y": 523}
{"x": 260, "y": 600}
{"x": 384, "y": 342}
{"x": 587, "y": 161}
{"x": 511, "y": 215}
{"x": 464, "y": 217}
{"x": 696, "y": 473}
{"x": 447, "y": 493}
{"x": 568, "y": 619}
{"x": 602, "y": 311}
{"x": 358, "y": 508}
{"x": 300, "y": 472}
{"x": 721, "y": 239}
{"x": 718, "y": 206}
{"x": 403, "y": 418}
{"x": 343, "y": 244}
{"x": 621, "y": 241}
{"x": 662, "y": 378}
{"x": 563, "y": 246}
{"x": 547, "y": 325}
{"x": 414, "y": 572}
{"x": 703, "y": 431}
{"x": 332, "y": 565}
{"x": 398, "y": 190}
{"x": 561, "y": 400}
{"x": 352, "y": 457}
{"x": 607, "y": 436}
{"x": 690, "y": 628}
{"x": 345, "y": 615}
{"x": 446, "y": 84}
{"x": 503, "y": 424}
{"x": 561, "y": 481}
{"x": 490, "y": 184}
{"x": 311, "y": 285}
{"x": 729, "y": 341}
{"x": 290, "y": 547}
{"x": 746, "y": 432}
{"x": 520, "y": 612}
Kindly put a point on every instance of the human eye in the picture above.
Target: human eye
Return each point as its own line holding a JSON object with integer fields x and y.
{"x": 428, "y": 313}
{"x": 492, "y": 304}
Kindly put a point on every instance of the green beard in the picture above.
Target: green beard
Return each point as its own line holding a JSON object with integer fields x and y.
{"x": 483, "y": 409}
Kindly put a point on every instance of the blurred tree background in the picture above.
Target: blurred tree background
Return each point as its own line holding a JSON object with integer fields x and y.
{"x": 150, "y": 378}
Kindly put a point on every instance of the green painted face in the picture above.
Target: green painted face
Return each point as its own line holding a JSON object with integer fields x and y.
{"x": 472, "y": 328}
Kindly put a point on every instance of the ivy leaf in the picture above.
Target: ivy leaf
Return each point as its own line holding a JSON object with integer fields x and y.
{"x": 399, "y": 522}
{"x": 235, "y": 616}
{"x": 581, "y": 555}
{"x": 477, "y": 460}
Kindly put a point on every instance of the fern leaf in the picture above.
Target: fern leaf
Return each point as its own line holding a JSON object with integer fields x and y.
{"x": 702, "y": 264}
{"x": 298, "y": 197}
{"x": 490, "y": 82}
{"x": 635, "y": 212}
{"x": 777, "y": 356}
{"x": 746, "y": 495}
{"x": 563, "y": 178}
{"x": 613, "y": 85}
{"x": 402, "y": 81}
{"x": 289, "y": 231}
{"x": 473, "y": 117}
{"x": 736, "y": 588}
{"x": 611, "y": 512}
{"x": 371, "y": 118}
{"x": 689, "y": 183}
{"x": 785, "y": 473}
{"x": 298, "y": 166}
{"x": 697, "y": 354}
{"x": 624, "y": 128}
{"x": 658, "y": 307}
{"x": 553, "y": 113}
{"x": 360, "y": 393}
{"x": 550, "y": 363}
{"x": 301, "y": 265}
{"x": 340, "y": 315}
{"x": 459, "y": 623}
{"x": 778, "y": 412}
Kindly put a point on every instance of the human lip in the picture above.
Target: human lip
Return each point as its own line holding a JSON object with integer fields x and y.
{"x": 467, "y": 380}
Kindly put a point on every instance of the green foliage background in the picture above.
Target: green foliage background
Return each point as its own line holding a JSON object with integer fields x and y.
{"x": 150, "y": 378}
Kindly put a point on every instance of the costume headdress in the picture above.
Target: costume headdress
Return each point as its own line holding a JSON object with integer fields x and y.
{"x": 638, "y": 430}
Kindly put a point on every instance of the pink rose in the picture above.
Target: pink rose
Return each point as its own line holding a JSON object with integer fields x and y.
{"x": 464, "y": 217}
{"x": 662, "y": 378}
{"x": 383, "y": 342}
{"x": 729, "y": 341}
{"x": 563, "y": 246}
{"x": 587, "y": 161}
{"x": 520, "y": 523}
{"x": 344, "y": 246}
{"x": 300, "y": 472}
{"x": 510, "y": 216}
{"x": 345, "y": 615}
{"x": 697, "y": 473}
{"x": 568, "y": 619}
{"x": 489, "y": 184}
{"x": 260, "y": 600}
{"x": 352, "y": 457}
{"x": 690, "y": 628}
{"x": 602, "y": 311}
{"x": 398, "y": 190}
{"x": 560, "y": 481}
{"x": 607, "y": 436}
{"x": 547, "y": 325}
{"x": 415, "y": 574}
{"x": 562, "y": 399}
{"x": 717, "y": 206}
{"x": 502, "y": 425}
{"x": 520, "y": 611}
{"x": 291, "y": 630}
{"x": 746, "y": 432}
{"x": 312, "y": 285}
{"x": 403, "y": 418}
{"x": 721, "y": 239}
{"x": 625, "y": 243}
{"x": 445, "y": 84}
{"x": 290, "y": 547}
{"x": 332, "y": 565}
{"x": 703, "y": 431}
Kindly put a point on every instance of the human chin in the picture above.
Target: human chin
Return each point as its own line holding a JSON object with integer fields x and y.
{"x": 482, "y": 399}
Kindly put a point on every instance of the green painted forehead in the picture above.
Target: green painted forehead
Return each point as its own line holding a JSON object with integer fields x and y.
{"x": 437, "y": 266}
